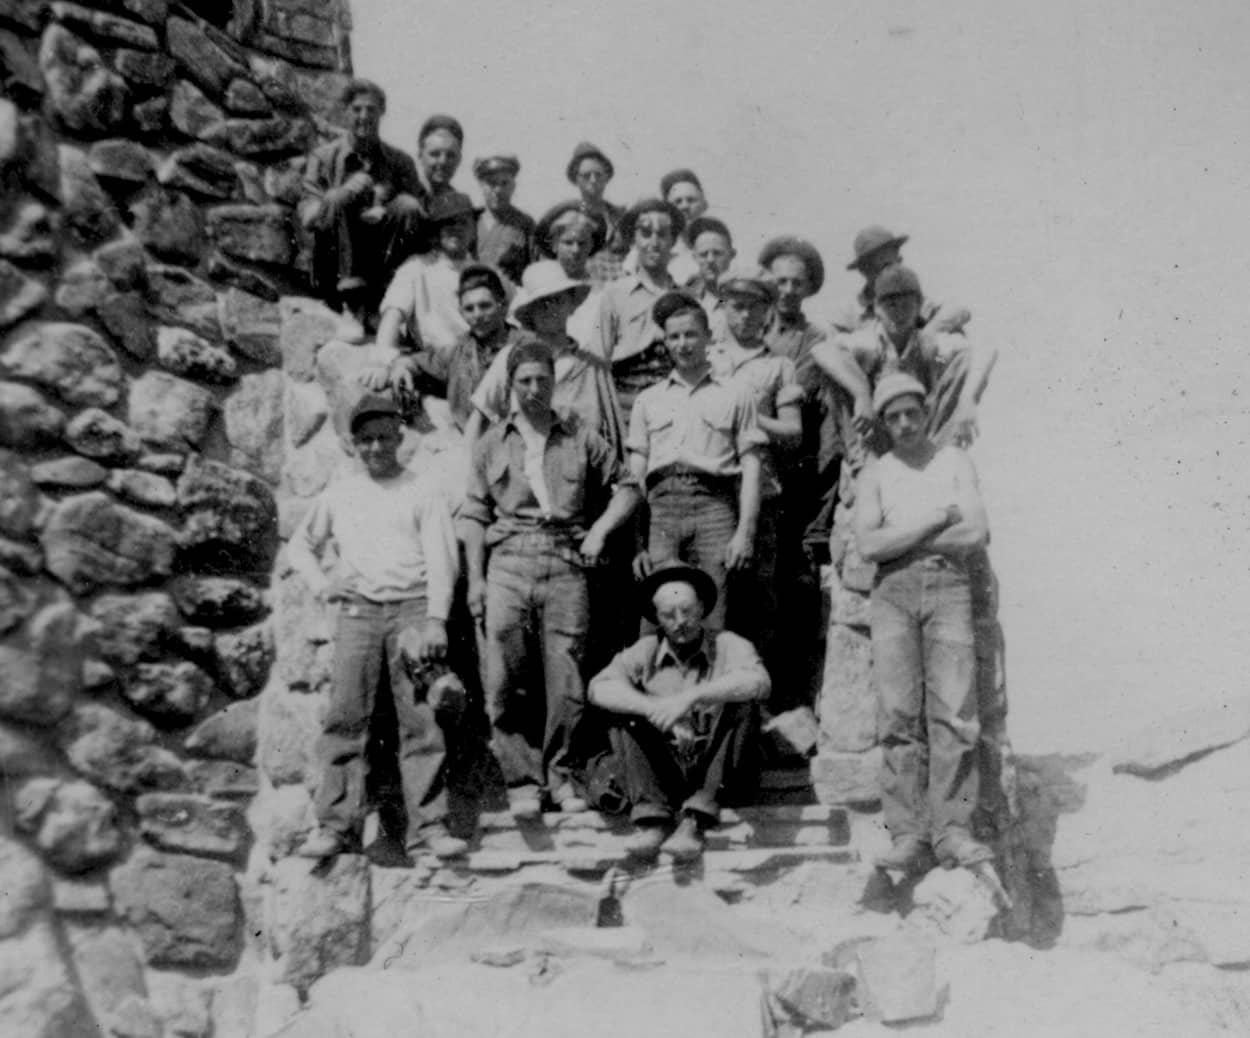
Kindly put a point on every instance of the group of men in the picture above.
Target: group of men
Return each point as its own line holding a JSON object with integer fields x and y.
{"x": 656, "y": 433}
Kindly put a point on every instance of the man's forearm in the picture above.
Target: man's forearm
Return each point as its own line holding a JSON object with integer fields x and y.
{"x": 839, "y": 364}
{"x": 617, "y": 696}
{"x": 738, "y": 686}
{"x": 623, "y": 504}
{"x": 474, "y": 537}
{"x": 749, "y": 496}
{"x": 889, "y": 542}
{"x": 388, "y": 330}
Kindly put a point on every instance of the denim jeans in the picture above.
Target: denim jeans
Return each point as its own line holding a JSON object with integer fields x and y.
{"x": 660, "y": 782}
{"x": 366, "y": 639}
{"x": 924, "y": 668}
{"x": 693, "y": 525}
{"x": 537, "y": 613}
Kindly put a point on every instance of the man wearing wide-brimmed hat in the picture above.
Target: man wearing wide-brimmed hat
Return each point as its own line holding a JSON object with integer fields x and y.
{"x": 683, "y": 710}
{"x": 628, "y": 337}
{"x": 421, "y": 308}
{"x": 545, "y": 491}
{"x": 583, "y": 384}
{"x": 590, "y": 171}
{"x": 504, "y": 232}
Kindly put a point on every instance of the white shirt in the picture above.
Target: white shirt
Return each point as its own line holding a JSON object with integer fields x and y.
{"x": 425, "y": 289}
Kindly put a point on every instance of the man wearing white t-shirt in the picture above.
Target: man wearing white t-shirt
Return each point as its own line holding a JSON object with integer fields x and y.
{"x": 919, "y": 516}
{"x": 392, "y": 582}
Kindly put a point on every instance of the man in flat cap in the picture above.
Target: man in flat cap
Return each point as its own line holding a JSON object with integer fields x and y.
{"x": 504, "y": 232}
{"x": 390, "y": 578}
{"x": 694, "y": 443}
{"x": 683, "y": 706}
{"x": 742, "y": 358}
{"x": 590, "y": 171}
{"x": 919, "y": 516}
{"x": 361, "y": 203}
{"x": 628, "y": 337}
{"x": 875, "y": 249}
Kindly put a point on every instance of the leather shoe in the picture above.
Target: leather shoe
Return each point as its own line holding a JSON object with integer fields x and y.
{"x": 957, "y": 849}
{"x": 645, "y": 844}
{"x": 909, "y": 854}
{"x": 686, "y": 844}
{"x": 436, "y": 840}
{"x": 323, "y": 843}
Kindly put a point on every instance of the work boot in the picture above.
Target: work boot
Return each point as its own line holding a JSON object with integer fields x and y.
{"x": 957, "y": 849}
{"x": 686, "y": 843}
{"x": 322, "y": 843}
{"x": 436, "y": 840}
{"x": 525, "y": 804}
{"x": 565, "y": 799}
{"x": 645, "y": 844}
{"x": 910, "y": 854}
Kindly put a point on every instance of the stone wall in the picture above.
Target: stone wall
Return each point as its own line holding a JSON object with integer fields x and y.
{"x": 150, "y": 158}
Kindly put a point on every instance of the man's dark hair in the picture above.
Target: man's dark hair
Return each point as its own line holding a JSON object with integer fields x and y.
{"x": 530, "y": 351}
{"x": 441, "y": 122}
{"x": 671, "y": 304}
{"x": 356, "y": 87}
{"x": 477, "y": 276}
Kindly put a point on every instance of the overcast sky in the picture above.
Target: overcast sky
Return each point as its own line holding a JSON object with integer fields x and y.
{"x": 1077, "y": 172}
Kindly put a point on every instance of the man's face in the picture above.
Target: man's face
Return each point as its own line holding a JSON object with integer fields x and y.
{"x": 497, "y": 190}
{"x": 899, "y": 313}
{"x": 377, "y": 440}
{"x": 877, "y": 260}
{"x": 789, "y": 274}
{"x": 533, "y": 383}
{"x": 686, "y": 338}
{"x": 713, "y": 253}
{"x": 592, "y": 178}
{"x": 572, "y": 246}
{"x": 678, "y": 613}
{"x": 688, "y": 199}
{"x": 364, "y": 117}
{"x": 439, "y": 156}
{"x": 455, "y": 237}
{"x": 904, "y": 419}
{"x": 746, "y": 316}
{"x": 653, "y": 238}
{"x": 482, "y": 312}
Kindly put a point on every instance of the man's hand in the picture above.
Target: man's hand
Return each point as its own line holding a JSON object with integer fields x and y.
{"x": 433, "y": 642}
{"x": 337, "y": 590}
{"x": 963, "y": 424}
{"x": 954, "y": 514}
{"x": 864, "y": 417}
{"x": 642, "y": 565}
{"x": 373, "y": 214}
{"x": 356, "y": 186}
{"x": 592, "y": 547}
{"x": 739, "y": 551}
{"x": 666, "y": 711}
{"x": 376, "y": 377}
{"x": 477, "y": 600}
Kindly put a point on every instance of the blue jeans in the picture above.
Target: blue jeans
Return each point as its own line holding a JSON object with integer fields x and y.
{"x": 924, "y": 667}
{"x": 366, "y": 639}
{"x": 694, "y": 525}
{"x": 537, "y": 613}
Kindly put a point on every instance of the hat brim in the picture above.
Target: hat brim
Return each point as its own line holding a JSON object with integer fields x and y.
{"x": 761, "y": 290}
{"x": 704, "y": 586}
{"x": 579, "y": 291}
{"x": 898, "y": 241}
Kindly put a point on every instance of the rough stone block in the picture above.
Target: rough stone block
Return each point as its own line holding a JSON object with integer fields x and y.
{"x": 229, "y": 734}
{"x": 124, "y": 263}
{"x": 259, "y": 233}
{"x": 20, "y": 557}
{"x": 227, "y": 510}
{"x": 170, "y": 412}
{"x": 143, "y": 488}
{"x": 306, "y": 325}
{"x": 28, "y": 420}
{"x": 202, "y": 56}
{"x": 89, "y": 540}
{"x": 29, "y": 235}
{"x": 318, "y": 922}
{"x": 244, "y": 658}
{"x": 69, "y": 360}
{"x": 168, "y": 694}
{"x": 19, "y": 70}
{"x": 169, "y": 224}
{"x": 193, "y": 824}
{"x": 287, "y": 733}
{"x": 97, "y": 434}
{"x": 81, "y": 289}
{"x": 271, "y": 138}
{"x": 23, "y": 754}
{"x": 253, "y": 424}
{"x": 219, "y": 601}
{"x": 251, "y": 326}
{"x": 192, "y": 113}
{"x": 955, "y": 904}
{"x": 80, "y": 897}
{"x": 19, "y": 496}
{"x": 151, "y": 116}
{"x": 306, "y": 411}
{"x": 848, "y": 704}
{"x": 41, "y": 663}
{"x": 186, "y": 910}
{"x": 20, "y": 295}
{"x": 899, "y": 978}
{"x": 244, "y": 97}
{"x": 142, "y": 68}
{"x": 142, "y": 626}
{"x": 246, "y": 279}
{"x": 104, "y": 25}
{"x": 72, "y": 823}
{"x": 125, "y": 318}
{"x": 86, "y": 209}
{"x": 814, "y": 997}
{"x": 200, "y": 169}
{"x": 87, "y": 97}
{"x": 110, "y": 970}
{"x": 223, "y": 778}
{"x": 116, "y": 751}
{"x": 185, "y": 353}
{"x": 121, "y": 160}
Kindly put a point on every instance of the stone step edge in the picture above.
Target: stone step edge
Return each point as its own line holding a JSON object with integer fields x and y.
{"x": 737, "y": 860}
{"x": 779, "y": 814}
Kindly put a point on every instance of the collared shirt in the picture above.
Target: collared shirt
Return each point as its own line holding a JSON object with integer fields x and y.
{"x": 707, "y": 427}
{"x": 652, "y": 667}
{"x": 330, "y": 165}
{"x": 682, "y": 266}
{"x": 712, "y": 305}
{"x": 625, "y": 325}
{"x": 580, "y": 471}
{"x": 425, "y": 290}
{"x": 394, "y": 539}
{"x": 772, "y": 384}
{"x": 924, "y": 356}
{"x": 465, "y": 367}
{"x": 795, "y": 338}
{"x": 503, "y": 240}
{"x": 583, "y": 387}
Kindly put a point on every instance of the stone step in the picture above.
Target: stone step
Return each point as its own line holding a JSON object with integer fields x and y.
{"x": 609, "y": 852}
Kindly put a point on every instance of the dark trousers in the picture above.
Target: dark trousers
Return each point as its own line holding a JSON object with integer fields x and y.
{"x": 537, "y": 612}
{"x": 366, "y": 639}
{"x": 660, "y": 782}
{"x": 693, "y": 524}
{"x": 351, "y": 248}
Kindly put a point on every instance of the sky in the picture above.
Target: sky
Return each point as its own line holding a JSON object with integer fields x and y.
{"x": 1076, "y": 172}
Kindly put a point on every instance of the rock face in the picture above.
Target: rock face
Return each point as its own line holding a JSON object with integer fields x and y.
{"x": 228, "y": 511}
{"x": 90, "y": 540}
{"x": 41, "y": 661}
{"x": 72, "y": 823}
{"x": 69, "y": 360}
{"x": 318, "y": 922}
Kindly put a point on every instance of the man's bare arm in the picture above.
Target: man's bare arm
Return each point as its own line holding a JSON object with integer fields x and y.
{"x": 839, "y": 363}
{"x": 786, "y": 428}
{"x": 972, "y": 530}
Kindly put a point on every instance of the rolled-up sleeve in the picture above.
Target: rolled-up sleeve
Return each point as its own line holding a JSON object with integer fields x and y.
{"x": 748, "y": 435}
{"x": 628, "y": 667}
{"x": 736, "y": 657}
{"x": 478, "y": 505}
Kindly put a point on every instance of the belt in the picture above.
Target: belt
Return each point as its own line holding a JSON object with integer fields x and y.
{"x": 930, "y": 560}
{"x": 682, "y": 476}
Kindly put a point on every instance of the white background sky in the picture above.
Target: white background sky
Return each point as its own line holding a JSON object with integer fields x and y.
{"x": 1077, "y": 172}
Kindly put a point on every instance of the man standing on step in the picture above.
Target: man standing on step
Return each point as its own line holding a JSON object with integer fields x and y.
{"x": 919, "y": 516}
{"x": 392, "y": 586}
{"x": 683, "y": 705}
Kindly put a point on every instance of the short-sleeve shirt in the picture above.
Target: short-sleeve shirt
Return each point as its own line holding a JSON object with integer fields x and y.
{"x": 707, "y": 427}
{"x": 579, "y": 468}
{"x": 625, "y": 325}
{"x": 425, "y": 290}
